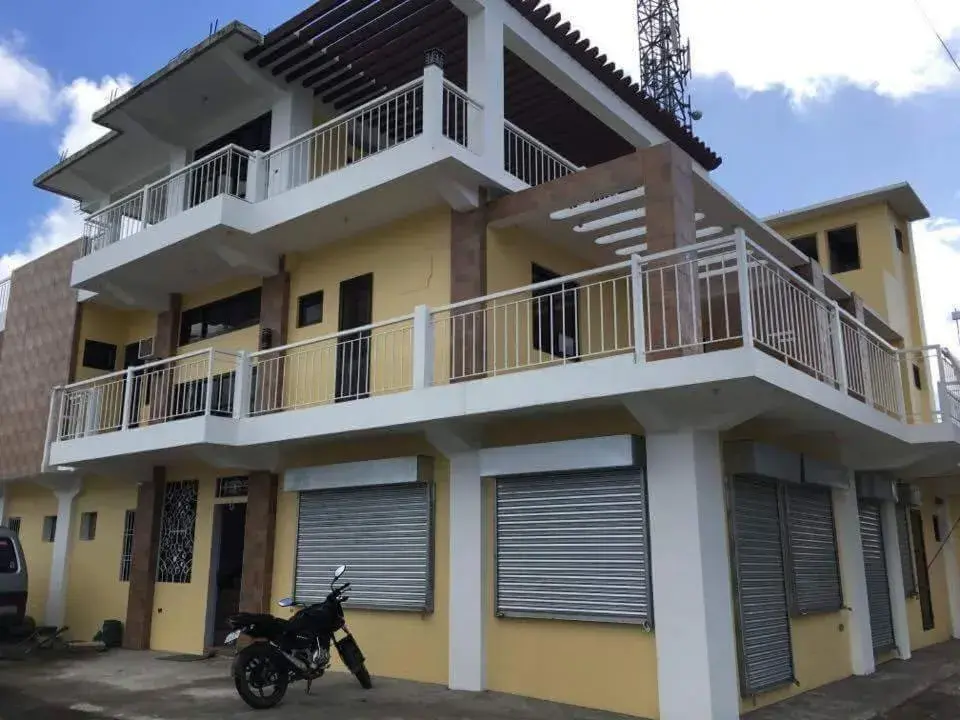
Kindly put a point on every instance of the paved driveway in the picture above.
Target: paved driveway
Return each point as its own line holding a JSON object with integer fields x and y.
{"x": 121, "y": 685}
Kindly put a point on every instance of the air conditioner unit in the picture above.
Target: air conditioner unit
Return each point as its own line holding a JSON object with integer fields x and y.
{"x": 145, "y": 349}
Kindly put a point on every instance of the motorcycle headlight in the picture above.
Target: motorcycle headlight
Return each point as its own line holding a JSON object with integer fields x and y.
{"x": 231, "y": 638}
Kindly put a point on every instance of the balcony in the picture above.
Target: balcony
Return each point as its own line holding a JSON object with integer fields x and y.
{"x": 571, "y": 340}
{"x": 426, "y": 132}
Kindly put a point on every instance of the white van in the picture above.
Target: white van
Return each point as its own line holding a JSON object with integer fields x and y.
{"x": 13, "y": 580}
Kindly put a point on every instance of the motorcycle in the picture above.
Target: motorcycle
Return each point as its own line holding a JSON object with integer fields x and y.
{"x": 284, "y": 651}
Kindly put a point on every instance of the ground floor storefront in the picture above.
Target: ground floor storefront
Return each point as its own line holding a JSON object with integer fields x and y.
{"x": 657, "y": 575}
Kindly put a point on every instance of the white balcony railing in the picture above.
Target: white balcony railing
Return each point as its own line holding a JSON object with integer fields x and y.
{"x": 721, "y": 294}
{"x": 4, "y": 301}
{"x": 224, "y": 172}
{"x": 429, "y": 105}
{"x": 528, "y": 159}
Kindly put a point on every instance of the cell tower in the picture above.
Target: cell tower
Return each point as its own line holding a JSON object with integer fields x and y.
{"x": 664, "y": 58}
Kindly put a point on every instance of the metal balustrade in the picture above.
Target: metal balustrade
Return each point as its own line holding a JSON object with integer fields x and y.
{"x": 528, "y": 159}
{"x": 712, "y": 296}
{"x": 461, "y": 116}
{"x": 4, "y": 301}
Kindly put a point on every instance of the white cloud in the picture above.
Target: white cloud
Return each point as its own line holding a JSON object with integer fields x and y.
{"x": 82, "y": 98}
{"x": 76, "y": 102}
{"x": 27, "y": 91}
{"x": 806, "y": 49}
{"x": 937, "y": 243}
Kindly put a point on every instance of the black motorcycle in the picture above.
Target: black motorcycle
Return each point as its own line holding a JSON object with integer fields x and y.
{"x": 296, "y": 649}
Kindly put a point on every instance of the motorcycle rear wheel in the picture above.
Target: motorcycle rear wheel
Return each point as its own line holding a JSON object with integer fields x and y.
{"x": 254, "y": 667}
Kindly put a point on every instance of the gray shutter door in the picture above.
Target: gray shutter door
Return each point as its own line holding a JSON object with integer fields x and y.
{"x": 574, "y": 545}
{"x": 813, "y": 549}
{"x": 875, "y": 564}
{"x": 906, "y": 556}
{"x": 766, "y": 654}
{"x": 382, "y": 533}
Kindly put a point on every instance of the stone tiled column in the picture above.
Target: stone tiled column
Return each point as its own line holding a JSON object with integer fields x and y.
{"x": 258, "y": 537}
{"x": 468, "y": 279}
{"x": 143, "y": 564}
{"x": 673, "y": 314}
{"x": 166, "y": 341}
{"x": 274, "y": 316}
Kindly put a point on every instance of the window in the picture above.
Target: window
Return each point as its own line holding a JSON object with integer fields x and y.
{"x": 898, "y": 236}
{"x": 574, "y": 546}
{"x": 555, "y": 317}
{"x": 88, "y": 526}
{"x": 807, "y": 244}
{"x": 812, "y": 550}
{"x": 177, "y": 524}
{"x": 99, "y": 355}
{"x": 937, "y": 528}
{"x": 368, "y": 529}
{"x": 14, "y": 524}
{"x": 844, "y": 249}
{"x": 126, "y": 552}
{"x": 222, "y": 316}
{"x": 49, "y": 528}
{"x": 9, "y": 563}
{"x": 310, "y": 309}
{"x": 189, "y": 399}
{"x": 916, "y": 377}
{"x": 923, "y": 573}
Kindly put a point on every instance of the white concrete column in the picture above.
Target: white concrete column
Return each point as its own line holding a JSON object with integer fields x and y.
{"x": 66, "y": 492}
{"x": 950, "y": 567}
{"x": 467, "y": 586}
{"x": 692, "y": 592}
{"x": 898, "y": 594}
{"x": 485, "y": 83}
{"x": 292, "y": 115}
{"x": 853, "y": 577}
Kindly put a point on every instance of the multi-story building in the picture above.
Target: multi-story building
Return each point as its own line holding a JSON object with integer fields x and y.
{"x": 429, "y": 288}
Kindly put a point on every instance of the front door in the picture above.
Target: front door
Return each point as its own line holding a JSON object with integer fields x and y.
{"x": 923, "y": 572}
{"x": 353, "y": 349}
{"x": 229, "y": 569}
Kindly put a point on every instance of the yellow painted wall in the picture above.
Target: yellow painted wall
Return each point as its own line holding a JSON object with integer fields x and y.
{"x": 410, "y": 262}
{"x": 604, "y": 324}
{"x": 31, "y": 503}
{"x": 938, "y": 585}
{"x": 406, "y": 645}
{"x": 110, "y": 325}
{"x": 94, "y": 590}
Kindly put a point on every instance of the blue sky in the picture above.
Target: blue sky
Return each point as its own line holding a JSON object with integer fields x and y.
{"x": 804, "y": 100}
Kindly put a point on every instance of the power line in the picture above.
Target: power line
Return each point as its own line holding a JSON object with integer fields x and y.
{"x": 946, "y": 48}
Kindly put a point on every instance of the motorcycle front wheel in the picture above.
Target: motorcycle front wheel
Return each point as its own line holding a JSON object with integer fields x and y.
{"x": 259, "y": 677}
{"x": 363, "y": 675}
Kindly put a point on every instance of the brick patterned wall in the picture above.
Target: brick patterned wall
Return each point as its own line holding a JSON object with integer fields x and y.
{"x": 38, "y": 345}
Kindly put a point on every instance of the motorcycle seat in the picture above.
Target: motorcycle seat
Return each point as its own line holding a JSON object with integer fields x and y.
{"x": 246, "y": 618}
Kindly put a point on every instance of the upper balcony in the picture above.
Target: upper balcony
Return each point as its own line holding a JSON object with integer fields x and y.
{"x": 416, "y": 146}
{"x": 727, "y": 334}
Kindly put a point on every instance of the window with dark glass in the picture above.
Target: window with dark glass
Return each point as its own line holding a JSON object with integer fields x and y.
{"x": 88, "y": 526}
{"x": 221, "y": 316}
{"x": 807, "y": 244}
{"x": 916, "y": 378}
{"x": 555, "y": 315}
{"x": 49, "y": 528}
{"x": 898, "y": 234}
{"x": 310, "y": 309}
{"x": 844, "y": 247}
{"x": 99, "y": 355}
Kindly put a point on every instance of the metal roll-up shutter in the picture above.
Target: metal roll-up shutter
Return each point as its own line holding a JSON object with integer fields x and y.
{"x": 813, "y": 549}
{"x": 766, "y": 654}
{"x": 906, "y": 554}
{"x": 574, "y": 545}
{"x": 875, "y": 565}
{"x": 382, "y": 533}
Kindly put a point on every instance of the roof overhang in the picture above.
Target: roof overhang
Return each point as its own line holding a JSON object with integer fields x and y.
{"x": 901, "y": 198}
{"x": 169, "y": 109}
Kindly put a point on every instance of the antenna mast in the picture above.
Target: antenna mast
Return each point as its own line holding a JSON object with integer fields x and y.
{"x": 664, "y": 58}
